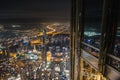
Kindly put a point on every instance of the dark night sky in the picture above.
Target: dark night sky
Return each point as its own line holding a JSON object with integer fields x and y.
{"x": 35, "y": 9}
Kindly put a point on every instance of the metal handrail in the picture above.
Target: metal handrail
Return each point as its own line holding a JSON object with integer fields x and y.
{"x": 112, "y": 68}
{"x": 90, "y": 64}
{"x": 114, "y": 57}
{"x": 90, "y": 46}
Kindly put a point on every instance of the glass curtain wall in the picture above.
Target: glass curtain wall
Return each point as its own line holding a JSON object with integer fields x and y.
{"x": 114, "y": 56}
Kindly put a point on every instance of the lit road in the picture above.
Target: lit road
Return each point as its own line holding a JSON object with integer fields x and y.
{"x": 54, "y": 29}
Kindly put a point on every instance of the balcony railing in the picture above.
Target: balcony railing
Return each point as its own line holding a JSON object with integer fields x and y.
{"x": 91, "y": 49}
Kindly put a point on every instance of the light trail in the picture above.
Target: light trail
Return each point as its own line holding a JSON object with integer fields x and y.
{"x": 52, "y": 29}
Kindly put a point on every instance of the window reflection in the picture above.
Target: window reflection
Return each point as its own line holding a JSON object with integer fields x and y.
{"x": 117, "y": 40}
{"x": 117, "y": 44}
{"x": 92, "y": 26}
{"x": 91, "y": 50}
{"x": 114, "y": 63}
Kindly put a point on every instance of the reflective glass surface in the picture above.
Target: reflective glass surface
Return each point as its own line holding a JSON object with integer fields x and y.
{"x": 117, "y": 43}
{"x": 92, "y": 25}
{"x": 114, "y": 63}
{"x": 117, "y": 40}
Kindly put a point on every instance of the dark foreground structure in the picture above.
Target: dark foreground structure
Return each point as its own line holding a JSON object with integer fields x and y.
{"x": 95, "y": 40}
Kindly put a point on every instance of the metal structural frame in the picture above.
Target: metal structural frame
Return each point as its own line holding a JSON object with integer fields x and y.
{"x": 109, "y": 26}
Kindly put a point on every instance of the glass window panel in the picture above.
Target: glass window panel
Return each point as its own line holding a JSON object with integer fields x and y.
{"x": 92, "y": 25}
{"x": 117, "y": 40}
{"x": 117, "y": 43}
{"x": 114, "y": 63}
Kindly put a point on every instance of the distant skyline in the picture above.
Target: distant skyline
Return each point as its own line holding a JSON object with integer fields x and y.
{"x": 43, "y": 10}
